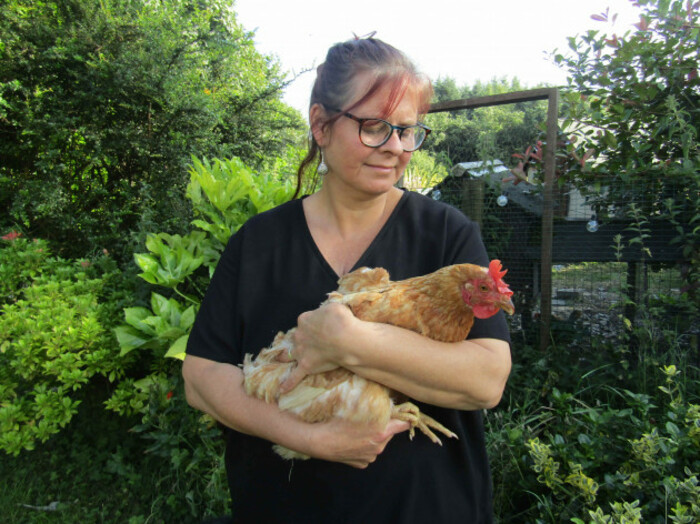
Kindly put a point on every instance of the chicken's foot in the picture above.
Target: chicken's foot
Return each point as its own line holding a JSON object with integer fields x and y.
{"x": 410, "y": 413}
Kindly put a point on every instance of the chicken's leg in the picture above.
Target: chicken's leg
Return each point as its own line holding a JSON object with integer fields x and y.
{"x": 410, "y": 413}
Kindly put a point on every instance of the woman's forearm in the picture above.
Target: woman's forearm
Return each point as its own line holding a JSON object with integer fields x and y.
{"x": 464, "y": 375}
{"x": 217, "y": 389}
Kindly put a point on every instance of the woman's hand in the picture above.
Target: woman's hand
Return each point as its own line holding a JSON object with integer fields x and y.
{"x": 317, "y": 341}
{"x": 217, "y": 389}
{"x": 350, "y": 443}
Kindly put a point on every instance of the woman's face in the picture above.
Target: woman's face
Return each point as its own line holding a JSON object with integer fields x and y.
{"x": 365, "y": 170}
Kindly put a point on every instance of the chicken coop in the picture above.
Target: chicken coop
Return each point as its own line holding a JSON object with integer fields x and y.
{"x": 598, "y": 273}
{"x": 577, "y": 273}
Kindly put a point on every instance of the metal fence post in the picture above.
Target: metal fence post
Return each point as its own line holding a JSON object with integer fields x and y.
{"x": 548, "y": 217}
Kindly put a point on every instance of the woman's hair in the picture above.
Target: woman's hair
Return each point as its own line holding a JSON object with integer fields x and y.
{"x": 336, "y": 84}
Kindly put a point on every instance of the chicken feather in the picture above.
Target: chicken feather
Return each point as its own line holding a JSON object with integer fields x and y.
{"x": 441, "y": 305}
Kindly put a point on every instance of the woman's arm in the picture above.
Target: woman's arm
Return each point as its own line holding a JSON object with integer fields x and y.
{"x": 217, "y": 389}
{"x": 464, "y": 375}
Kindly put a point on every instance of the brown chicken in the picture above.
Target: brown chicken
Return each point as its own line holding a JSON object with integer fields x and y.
{"x": 441, "y": 305}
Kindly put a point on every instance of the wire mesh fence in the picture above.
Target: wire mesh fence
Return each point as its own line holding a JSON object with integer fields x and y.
{"x": 604, "y": 265}
{"x": 610, "y": 255}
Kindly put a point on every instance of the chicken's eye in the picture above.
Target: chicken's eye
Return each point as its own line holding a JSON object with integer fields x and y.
{"x": 484, "y": 288}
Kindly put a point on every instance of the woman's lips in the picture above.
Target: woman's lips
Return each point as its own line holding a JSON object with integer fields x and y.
{"x": 386, "y": 169}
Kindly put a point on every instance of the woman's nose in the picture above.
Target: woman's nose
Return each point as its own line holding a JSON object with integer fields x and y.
{"x": 394, "y": 143}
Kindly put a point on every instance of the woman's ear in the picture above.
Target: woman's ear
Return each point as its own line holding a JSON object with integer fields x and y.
{"x": 317, "y": 120}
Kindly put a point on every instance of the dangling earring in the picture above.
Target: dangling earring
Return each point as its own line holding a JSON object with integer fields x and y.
{"x": 322, "y": 168}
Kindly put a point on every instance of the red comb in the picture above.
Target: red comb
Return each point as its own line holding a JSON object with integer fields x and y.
{"x": 497, "y": 273}
{"x": 495, "y": 270}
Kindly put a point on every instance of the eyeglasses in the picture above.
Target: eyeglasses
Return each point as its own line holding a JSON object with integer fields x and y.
{"x": 375, "y": 132}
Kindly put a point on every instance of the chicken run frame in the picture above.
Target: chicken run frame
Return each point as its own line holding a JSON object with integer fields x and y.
{"x": 538, "y": 234}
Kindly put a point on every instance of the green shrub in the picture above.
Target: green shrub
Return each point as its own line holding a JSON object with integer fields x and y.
{"x": 600, "y": 435}
{"x": 20, "y": 262}
{"x": 102, "y": 102}
{"x": 640, "y": 454}
{"x": 224, "y": 194}
{"x": 53, "y": 340}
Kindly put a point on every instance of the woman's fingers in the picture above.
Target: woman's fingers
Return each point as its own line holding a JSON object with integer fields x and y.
{"x": 359, "y": 445}
{"x": 296, "y": 376}
{"x": 397, "y": 426}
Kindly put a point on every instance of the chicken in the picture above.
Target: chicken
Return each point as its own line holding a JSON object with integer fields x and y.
{"x": 441, "y": 305}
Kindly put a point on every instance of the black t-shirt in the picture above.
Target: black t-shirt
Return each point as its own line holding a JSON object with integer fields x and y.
{"x": 272, "y": 271}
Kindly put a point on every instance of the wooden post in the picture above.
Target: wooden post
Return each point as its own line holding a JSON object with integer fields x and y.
{"x": 473, "y": 198}
{"x": 552, "y": 96}
{"x": 637, "y": 287}
{"x": 548, "y": 217}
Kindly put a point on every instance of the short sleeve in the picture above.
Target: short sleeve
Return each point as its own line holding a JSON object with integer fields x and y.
{"x": 216, "y": 326}
{"x": 468, "y": 247}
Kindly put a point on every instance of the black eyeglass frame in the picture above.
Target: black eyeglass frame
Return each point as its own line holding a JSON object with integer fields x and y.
{"x": 400, "y": 129}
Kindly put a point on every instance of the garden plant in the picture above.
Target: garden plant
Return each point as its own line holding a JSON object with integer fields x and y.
{"x": 94, "y": 426}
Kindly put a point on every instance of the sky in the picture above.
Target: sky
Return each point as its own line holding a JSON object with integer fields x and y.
{"x": 466, "y": 40}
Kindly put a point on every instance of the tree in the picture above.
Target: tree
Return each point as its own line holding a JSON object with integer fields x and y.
{"x": 103, "y": 103}
{"x": 485, "y": 133}
{"x": 633, "y": 107}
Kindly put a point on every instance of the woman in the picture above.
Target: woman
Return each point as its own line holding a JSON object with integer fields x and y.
{"x": 278, "y": 267}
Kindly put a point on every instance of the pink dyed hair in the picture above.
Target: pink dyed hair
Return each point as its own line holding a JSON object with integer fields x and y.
{"x": 336, "y": 80}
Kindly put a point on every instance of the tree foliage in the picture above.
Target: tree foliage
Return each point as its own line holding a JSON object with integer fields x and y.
{"x": 632, "y": 111}
{"x": 103, "y": 102}
{"x": 485, "y": 133}
{"x": 424, "y": 171}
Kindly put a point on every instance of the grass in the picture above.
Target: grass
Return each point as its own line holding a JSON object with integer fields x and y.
{"x": 613, "y": 276}
{"x": 92, "y": 472}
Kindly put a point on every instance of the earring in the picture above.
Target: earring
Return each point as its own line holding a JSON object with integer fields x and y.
{"x": 322, "y": 168}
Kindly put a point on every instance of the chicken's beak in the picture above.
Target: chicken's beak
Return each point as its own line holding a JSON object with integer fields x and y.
{"x": 507, "y": 306}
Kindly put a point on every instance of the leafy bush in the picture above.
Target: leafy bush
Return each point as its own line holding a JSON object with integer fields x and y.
{"x": 631, "y": 112}
{"x": 102, "y": 102}
{"x": 224, "y": 194}
{"x": 639, "y": 453}
{"x": 21, "y": 261}
{"x": 182, "y": 455}
{"x": 600, "y": 435}
{"x": 100, "y": 469}
{"x": 54, "y": 338}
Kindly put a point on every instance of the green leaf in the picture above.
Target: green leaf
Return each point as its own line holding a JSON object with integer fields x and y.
{"x": 129, "y": 339}
{"x": 672, "y": 429}
{"x": 177, "y": 350}
{"x": 157, "y": 381}
{"x": 135, "y": 317}
{"x": 187, "y": 318}
{"x": 147, "y": 263}
{"x": 160, "y": 305}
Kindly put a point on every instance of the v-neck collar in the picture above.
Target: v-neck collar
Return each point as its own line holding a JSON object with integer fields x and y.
{"x": 360, "y": 261}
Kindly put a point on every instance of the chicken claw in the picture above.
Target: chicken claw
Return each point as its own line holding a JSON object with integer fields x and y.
{"x": 410, "y": 413}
